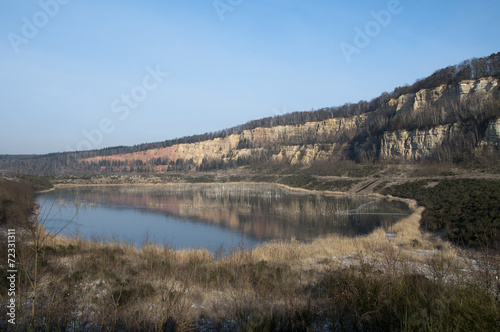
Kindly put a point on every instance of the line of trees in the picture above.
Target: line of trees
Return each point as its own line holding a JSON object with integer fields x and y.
{"x": 467, "y": 70}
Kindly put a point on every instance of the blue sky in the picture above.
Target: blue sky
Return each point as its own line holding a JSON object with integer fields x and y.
{"x": 67, "y": 66}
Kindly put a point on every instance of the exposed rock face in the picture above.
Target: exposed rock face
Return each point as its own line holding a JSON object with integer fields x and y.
{"x": 258, "y": 139}
{"x": 417, "y": 101}
{"x": 415, "y": 144}
{"x": 294, "y": 143}
{"x": 308, "y": 154}
{"x": 492, "y": 135}
{"x": 419, "y": 143}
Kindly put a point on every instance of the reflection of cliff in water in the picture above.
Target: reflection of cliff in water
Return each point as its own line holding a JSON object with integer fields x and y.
{"x": 262, "y": 211}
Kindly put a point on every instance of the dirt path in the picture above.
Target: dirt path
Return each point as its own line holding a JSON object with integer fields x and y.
{"x": 400, "y": 174}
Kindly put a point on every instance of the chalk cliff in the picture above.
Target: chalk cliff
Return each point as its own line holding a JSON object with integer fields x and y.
{"x": 328, "y": 140}
{"x": 492, "y": 135}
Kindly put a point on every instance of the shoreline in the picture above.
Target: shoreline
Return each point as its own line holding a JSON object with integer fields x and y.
{"x": 210, "y": 288}
{"x": 203, "y": 184}
{"x": 415, "y": 215}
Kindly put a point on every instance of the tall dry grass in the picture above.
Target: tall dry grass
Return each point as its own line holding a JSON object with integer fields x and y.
{"x": 287, "y": 285}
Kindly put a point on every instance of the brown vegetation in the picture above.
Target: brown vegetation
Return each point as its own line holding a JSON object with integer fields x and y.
{"x": 405, "y": 280}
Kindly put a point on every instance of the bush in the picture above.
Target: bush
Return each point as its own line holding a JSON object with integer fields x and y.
{"x": 300, "y": 181}
{"x": 338, "y": 185}
{"x": 467, "y": 209}
{"x": 365, "y": 301}
{"x": 16, "y": 201}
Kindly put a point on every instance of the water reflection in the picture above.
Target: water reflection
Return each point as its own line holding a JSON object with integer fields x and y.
{"x": 218, "y": 213}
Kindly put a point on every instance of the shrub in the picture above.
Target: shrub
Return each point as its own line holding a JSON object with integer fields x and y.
{"x": 467, "y": 209}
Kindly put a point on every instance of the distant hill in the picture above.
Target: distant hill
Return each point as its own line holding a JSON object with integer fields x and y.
{"x": 452, "y": 115}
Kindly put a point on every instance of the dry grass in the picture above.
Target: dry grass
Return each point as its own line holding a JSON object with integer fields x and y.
{"x": 109, "y": 286}
{"x": 404, "y": 234}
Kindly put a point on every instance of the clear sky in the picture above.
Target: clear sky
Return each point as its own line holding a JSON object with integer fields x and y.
{"x": 79, "y": 74}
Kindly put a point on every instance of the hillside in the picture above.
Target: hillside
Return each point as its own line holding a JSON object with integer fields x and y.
{"x": 450, "y": 116}
{"x": 400, "y": 129}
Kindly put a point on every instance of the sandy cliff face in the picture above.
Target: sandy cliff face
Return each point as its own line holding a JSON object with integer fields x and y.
{"x": 277, "y": 138}
{"x": 418, "y": 144}
{"x": 492, "y": 135}
{"x": 417, "y": 101}
{"x": 293, "y": 143}
{"x": 415, "y": 144}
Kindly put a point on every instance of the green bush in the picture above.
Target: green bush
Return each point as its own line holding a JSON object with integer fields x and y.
{"x": 300, "y": 181}
{"x": 467, "y": 209}
{"x": 338, "y": 185}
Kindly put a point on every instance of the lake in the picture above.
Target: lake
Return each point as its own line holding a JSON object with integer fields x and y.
{"x": 211, "y": 216}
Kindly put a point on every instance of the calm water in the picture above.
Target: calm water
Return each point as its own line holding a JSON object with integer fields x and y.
{"x": 211, "y": 216}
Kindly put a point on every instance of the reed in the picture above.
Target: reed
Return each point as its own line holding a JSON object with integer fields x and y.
{"x": 411, "y": 280}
